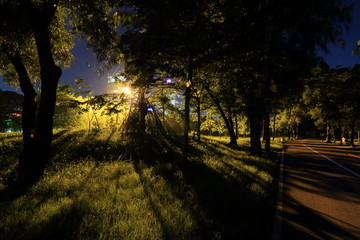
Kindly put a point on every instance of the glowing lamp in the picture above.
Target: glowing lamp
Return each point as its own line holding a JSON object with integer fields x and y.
{"x": 126, "y": 90}
{"x": 168, "y": 81}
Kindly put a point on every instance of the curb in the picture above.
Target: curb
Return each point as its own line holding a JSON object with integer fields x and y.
{"x": 277, "y": 225}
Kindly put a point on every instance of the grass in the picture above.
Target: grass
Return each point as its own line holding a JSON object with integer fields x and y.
{"x": 346, "y": 145}
{"x": 95, "y": 188}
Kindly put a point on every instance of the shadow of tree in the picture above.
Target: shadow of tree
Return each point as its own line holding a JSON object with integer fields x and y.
{"x": 222, "y": 205}
{"x": 318, "y": 195}
{"x": 318, "y": 224}
{"x": 68, "y": 217}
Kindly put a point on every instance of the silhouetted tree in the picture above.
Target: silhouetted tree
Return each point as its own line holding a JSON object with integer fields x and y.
{"x": 41, "y": 25}
{"x": 263, "y": 37}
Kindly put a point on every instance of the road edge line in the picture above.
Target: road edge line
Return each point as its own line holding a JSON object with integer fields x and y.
{"x": 277, "y": 225}
{"x": 334, "y": 162}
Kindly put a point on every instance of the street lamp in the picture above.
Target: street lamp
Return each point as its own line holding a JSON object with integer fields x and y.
{"x": 126, "y": 90}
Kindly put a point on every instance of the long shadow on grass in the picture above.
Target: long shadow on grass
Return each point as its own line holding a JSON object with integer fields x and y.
{"x": 237, "y": 212}
{"x": 162, "y": 154}
{"x": 220, "y": 204}
{"x": 63, "y": 225}
{"x": 88, "y": 147}
{"x": 218, "y": 149}
{"x": 138, "y": 168}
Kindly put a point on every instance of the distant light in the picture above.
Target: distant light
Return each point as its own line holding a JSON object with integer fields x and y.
{"x": 126, "y": 90}
{"x": 150, "y": 109}
{"x": 168, "y": 81}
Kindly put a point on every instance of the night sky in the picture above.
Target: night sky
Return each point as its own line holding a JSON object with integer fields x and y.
{"x": 85, "y": 64}
{"x": 343, "y": 56}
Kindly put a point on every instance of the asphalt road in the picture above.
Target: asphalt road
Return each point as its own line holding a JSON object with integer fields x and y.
{"x": 321, "y": 192}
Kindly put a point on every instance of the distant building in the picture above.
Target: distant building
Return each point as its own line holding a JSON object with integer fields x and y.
{"x": 12, "y": 123}
{"x": 10, "y": 111}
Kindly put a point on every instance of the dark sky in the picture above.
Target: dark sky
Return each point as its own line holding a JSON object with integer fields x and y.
{"x": 85, "y": 64}
{"x": 343, "y": 55}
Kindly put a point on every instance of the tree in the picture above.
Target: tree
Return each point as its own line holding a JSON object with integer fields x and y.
{"x": 171, "y": 47}
{"x": 325, "y": 95}
{"x": 263, "y": 37}
{"x": 41, "y": 26}
{"x": 357, "y": 49}
{"x": 222, "y": 94}
{"x": 26, "y": 29}
{"x": 352, "y": 98}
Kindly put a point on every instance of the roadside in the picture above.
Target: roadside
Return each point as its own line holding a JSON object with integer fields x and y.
{"x": 320, "y": 196}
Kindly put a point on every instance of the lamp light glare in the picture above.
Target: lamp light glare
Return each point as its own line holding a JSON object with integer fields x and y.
{"x": 126, "y": 90}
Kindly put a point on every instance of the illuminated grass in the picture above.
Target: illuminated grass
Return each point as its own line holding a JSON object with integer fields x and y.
{"x": 244, "y": 141}
{"x": 95, "y": 190}
{"x": 87, "y": 201}
{"x": 10, "y": 145}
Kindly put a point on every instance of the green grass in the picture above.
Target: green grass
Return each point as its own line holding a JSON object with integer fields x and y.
{"x": 10, "y": 146}
{"x": 95, "y": 189}
{"x": 245, "y": 142}
{"x": 346, "y": 145}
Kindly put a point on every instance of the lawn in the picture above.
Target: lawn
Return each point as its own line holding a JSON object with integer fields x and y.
{"x": 104, "y": 186}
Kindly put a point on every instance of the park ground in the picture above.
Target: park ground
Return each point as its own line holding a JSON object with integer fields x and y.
{"x": 95, "y": 188}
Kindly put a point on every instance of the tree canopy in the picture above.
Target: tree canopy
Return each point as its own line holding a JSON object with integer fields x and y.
{"x": 247, "y": 57}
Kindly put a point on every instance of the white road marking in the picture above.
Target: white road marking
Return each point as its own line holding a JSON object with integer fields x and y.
{"x": 336, "y": 163}
{"x": 352, "y": 155}
{"x": 277, "y": 226}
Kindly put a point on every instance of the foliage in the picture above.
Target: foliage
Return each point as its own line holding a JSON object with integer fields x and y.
{"x": 93, "y": 189}
{"x": 331, "y": 96}
{"x": 258, "y": 68}
{"x": 357, "y": 49}
{"x": 43, "y": 26}
{"x": 94, "y": 113}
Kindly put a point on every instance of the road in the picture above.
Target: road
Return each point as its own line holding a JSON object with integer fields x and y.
{"x": 321, "y": 191}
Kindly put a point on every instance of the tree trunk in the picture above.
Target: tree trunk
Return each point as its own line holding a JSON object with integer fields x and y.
{"x": 228, "y": 123}
{"x": 227, "y": 120}
{"x": 142, "y": 112}
{"x": 297, "y": 131}
{"x": 50, "y": 73}
{"x": 28, "y": 116}
{"x": 187, "y": 108}
{"x": 198, "y": 119}
{"x": 236, "y": 127}
{"x": 341, "y": 134}
{"x": 233, "y": 138}
{"x": 274, "y": 128}
{"x": 45, "y": 117}
{"x": 327, "y": 132}
{"x": 289, "y": 131}
{"x": 96, "y": 119}
{"x": 267, "y": 132}
{"x": 352, "y": 134}
{"x": 255, "y": 134}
